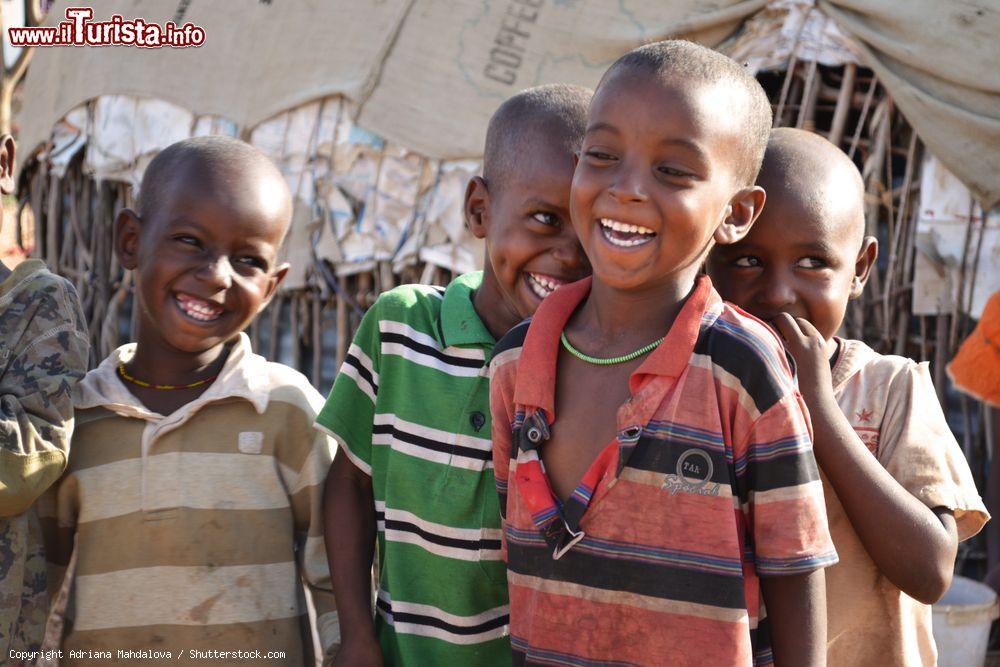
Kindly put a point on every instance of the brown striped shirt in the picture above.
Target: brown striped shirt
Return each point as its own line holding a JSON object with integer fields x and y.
{"x": 195, "y": 531}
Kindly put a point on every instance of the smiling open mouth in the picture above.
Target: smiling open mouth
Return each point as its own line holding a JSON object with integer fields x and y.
{"x": 198, "y": 309}
{"x": 543, "y": 285}
{"x": 624, "y": 235}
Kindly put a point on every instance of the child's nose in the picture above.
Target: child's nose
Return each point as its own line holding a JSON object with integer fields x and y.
{"x": 776, "y": 293}
{"x": 217, "y": 273}
{"x": 628, "y": 187}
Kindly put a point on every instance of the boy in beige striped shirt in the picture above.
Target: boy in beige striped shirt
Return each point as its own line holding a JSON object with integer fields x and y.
{"x": 194, "y": 485}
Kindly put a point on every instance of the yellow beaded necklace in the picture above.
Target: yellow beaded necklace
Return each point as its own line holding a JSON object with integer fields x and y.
{"x": 148, "y": 385}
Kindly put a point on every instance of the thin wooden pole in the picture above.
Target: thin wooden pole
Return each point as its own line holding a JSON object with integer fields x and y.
{"x": 863, "y": 116}
{"x": 844, "y": 98}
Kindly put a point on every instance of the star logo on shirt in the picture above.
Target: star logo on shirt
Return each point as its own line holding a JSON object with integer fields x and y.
{"x": 864, "y": 416}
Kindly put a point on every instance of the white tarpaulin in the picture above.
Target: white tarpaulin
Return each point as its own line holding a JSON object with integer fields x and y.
{"x": 258, "y": 59}
{"x": 453, "y": 61}
{"x": 427, "y": 74}
{"x": 940, "y": 61}
{"x": 951, "y": 230}
{"x": 359, "y": 200}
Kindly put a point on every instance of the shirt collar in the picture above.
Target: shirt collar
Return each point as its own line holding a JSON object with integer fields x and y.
{"x": 460, "y": 324}
{"x": 537, "y": 364}
{"x": 673, "y": 355}
{"x": 854, "y": 355}
{"x": 244, "y": 375}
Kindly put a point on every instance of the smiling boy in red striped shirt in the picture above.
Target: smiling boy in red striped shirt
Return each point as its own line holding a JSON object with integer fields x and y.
{"x": 651, "y": 450}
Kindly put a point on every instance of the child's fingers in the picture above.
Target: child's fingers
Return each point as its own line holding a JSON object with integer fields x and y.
{"x": 807, "y": 328}
{"x": 788, "y": 328}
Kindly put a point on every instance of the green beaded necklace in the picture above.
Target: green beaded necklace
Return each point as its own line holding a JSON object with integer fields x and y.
{"x": 609, "y": 360}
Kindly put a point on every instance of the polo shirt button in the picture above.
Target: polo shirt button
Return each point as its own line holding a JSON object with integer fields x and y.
{"x": 477, "y": 419}
{"x": 534, "y": 431}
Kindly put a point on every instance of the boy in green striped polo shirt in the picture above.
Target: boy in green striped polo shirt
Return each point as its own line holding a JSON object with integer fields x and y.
{"x": 411, "y": 410}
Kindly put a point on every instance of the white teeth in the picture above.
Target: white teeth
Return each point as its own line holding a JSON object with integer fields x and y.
{"x": 541, "y": 285}
{"x": 545, "y": 282}
{"x": 608, "y": 223}
{"x": 197, "y": 310}
{"x": 626, "y": 244}
{"x": 645, "y": 233}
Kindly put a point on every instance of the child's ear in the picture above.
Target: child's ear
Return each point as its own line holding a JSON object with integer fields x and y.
{"x": 477, "y": 207}
{"x": 741, "y": 213}
{"x": 6, "y": 164}
{"x": 276, "y": 277}
{"x": 128, "y": 227}
{"x": 863, "y": 266}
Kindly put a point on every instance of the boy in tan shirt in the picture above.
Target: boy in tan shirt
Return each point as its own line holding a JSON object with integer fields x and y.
{"x": 899, "y": 492}
{"x": 192, "y": 498}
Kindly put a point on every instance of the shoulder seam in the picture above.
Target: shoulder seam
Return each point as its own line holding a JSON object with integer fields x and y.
{"x": 55, "y": 331}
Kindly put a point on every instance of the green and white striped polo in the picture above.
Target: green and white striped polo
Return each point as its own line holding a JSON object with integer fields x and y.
{"x": 411, "y": 408}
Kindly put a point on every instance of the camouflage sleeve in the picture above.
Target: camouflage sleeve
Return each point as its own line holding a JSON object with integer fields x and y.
{"x": 43, "y": 353}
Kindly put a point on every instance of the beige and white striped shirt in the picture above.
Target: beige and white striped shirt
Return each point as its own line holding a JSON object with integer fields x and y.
{"x": 195, "y": 531}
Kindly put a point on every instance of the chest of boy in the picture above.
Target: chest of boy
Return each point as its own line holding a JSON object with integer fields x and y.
{"x": 224, "y": 457}
{"x": 667, "y": 479}
{"x": 663, "y": 526}
{"x": 865, "y": 411}
{"x": 432, "y": 423}
{"x": 680, "y": 429}
{"x": 591, "y": 404}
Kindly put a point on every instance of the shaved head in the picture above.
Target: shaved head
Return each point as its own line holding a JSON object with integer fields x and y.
{"x": 805, "y": 172}
{"x": 555, "y": 114}
{"x": 214, "y": 163}
{"x": 807, "y": 254}
{"x": 692, "y": 64}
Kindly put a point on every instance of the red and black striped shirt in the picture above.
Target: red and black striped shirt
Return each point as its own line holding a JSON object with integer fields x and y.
{"x": 710, "y": 483}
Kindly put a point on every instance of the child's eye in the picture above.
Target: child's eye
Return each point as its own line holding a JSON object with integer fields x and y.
{"x": 599, "y": 155}
{"x": 746, "y": 262}
{"x": 187, "y": 240}
{"x": 255, "y": 262}
{"x": 811, "y": 263}
{"x": 549, "y": 219}
{"x": 673, "y": 171}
